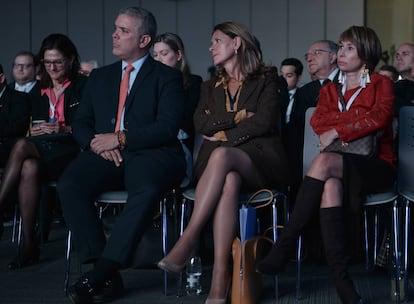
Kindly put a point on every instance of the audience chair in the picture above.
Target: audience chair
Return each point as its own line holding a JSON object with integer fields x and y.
{"x": 406, "y": 178}
{"x": 120, "y": 198}
{"x": 372, "y": 200}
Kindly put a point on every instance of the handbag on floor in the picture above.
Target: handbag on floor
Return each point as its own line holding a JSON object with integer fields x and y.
{"x": 246, "y": 252}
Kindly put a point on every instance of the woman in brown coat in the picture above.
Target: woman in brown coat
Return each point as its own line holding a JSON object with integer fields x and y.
{"x": 237, "y": 115}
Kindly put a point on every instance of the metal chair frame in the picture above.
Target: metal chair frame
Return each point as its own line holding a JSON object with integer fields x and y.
{"x": 120, "y": 198}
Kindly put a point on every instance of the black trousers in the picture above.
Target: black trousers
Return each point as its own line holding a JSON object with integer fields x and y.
{"x": 147, "y": 176}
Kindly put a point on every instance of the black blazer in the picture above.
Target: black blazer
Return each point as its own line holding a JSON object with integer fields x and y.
{"x": 154, "y": 108}
{"x": 73, "y": 94}
{"x": 15, "y": 111}
{"x": 34, "y": 93}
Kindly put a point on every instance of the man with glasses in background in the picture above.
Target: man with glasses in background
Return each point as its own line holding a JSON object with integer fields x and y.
{"x": 24, "y": 71}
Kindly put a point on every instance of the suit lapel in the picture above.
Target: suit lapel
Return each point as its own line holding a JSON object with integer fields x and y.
{"x": 247, "y": 89}
{"x": 145, "y": 69}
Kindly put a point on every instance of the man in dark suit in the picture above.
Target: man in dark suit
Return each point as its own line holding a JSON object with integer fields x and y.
{"x": 15, "y": 109}
{"x": 144, "y": 155}
{"x": 25, "y": 70}
{"x": 291, "y": 69}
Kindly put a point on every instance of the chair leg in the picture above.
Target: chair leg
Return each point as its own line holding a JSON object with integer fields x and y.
{"x": 396, "y": 251}
{"x": 164, "y": 239}
{"x": 406, "y": 238}
{"x": 274, "y": 224}
{"x": 366, "y": 239}
{"x": 298, "y": 270}
{"x": 13, "y": 239}
{"x": 67, "y": 272}
{"x": 375, "y": 236}
{"x": 184, "y": 205}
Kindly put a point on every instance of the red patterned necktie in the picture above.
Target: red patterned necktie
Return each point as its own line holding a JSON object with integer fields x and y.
{"x": 123, "y": 93}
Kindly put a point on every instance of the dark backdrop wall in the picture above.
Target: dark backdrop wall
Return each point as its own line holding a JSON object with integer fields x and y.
{"x": 284, "y": 27}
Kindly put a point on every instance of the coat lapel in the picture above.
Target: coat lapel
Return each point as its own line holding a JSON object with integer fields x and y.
{"x": 145, "y": 69}
{"x": 247, "y": 90}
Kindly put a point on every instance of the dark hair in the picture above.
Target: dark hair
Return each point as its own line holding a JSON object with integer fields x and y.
{"x": 367, "y": 44}
{"x": 147, "y": 24}
{"x": 294, "y": 62}
{"x": 248, "y": 55}
{"x": 65, "y": 46}
{"x": 176, "y": 44}
{"x": 1, "y": 69}
{"x": 28, "y": 54}
{"x": 392, "y": 69}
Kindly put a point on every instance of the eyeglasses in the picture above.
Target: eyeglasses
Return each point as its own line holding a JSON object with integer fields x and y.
{"x": 315, "y": 52}
{"x": 403, "y": 54}
{"x": 22, "y": 65}
{"x": 58, "y": 63}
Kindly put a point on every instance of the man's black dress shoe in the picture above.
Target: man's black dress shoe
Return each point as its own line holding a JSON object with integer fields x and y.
{"x": 111, "y": 289}
{"x": 85, "y": 292}
{"x": 82, "y": 291}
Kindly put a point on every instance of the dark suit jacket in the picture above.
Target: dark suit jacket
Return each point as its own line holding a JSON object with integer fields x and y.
{"x": 14, "y": 114}
{"x": 152, "y": 118}
{"x": 404, "y": 94}
{"x": 34, "y": 93}
{"x": 257, "y": 136}
{"x": 15, "y": 111}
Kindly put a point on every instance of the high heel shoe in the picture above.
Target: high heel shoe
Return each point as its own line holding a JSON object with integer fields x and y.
{"x": 25, "y": 259}
{"x": 169, "y": 266}
{"x": 226, "y": 295}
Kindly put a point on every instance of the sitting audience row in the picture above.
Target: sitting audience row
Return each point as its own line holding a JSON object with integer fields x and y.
{"x": 129, "y": 125}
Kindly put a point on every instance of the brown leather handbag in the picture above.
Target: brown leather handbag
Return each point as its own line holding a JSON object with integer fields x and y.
{"x": 247, "y": 283}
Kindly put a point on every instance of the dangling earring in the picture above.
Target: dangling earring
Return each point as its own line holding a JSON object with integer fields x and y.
{"x": 235, "y": 51}
{"x": 341, "y": 77}
{"x": 364, "y": 78}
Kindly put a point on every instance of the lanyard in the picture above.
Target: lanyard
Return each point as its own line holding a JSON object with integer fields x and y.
{"x": 341, "y": 102}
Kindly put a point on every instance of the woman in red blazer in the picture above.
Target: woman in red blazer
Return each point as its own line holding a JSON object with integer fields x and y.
{"x": 326, "y": 188}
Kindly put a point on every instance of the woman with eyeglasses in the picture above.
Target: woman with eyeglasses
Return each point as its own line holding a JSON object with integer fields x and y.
{"x": 41, "y": 157}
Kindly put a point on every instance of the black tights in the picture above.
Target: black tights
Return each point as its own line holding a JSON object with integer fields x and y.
{"x": 22, "y": 173}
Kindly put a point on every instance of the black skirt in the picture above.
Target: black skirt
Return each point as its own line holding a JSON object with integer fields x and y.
{"x": 56, "y": 152}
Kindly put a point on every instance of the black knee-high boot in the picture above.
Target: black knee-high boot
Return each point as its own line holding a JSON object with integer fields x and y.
{"x": 334, "y": 240}
{"x": 307, "y": 204}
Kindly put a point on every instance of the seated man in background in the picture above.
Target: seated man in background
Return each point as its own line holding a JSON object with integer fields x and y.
{"x": 404, "y": 88}
{"x": 25, "y": 69}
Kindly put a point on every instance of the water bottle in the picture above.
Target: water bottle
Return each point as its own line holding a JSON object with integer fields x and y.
{"x": 194, "y": 270}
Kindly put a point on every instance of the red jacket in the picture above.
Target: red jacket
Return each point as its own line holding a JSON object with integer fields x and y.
{"x": 372, "y": 110}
